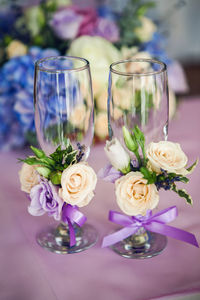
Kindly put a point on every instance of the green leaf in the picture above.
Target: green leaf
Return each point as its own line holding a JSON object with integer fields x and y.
{"x": 70, "y": 158}
{"x": 38, "y": 152}
{"x": 150, "y": 176}
{"x": 34, "y": 161}
{"x": 193, "y": 166}
{"x": 183, "y": 193}
{"x": 57, "y": 156}
{"x": 44, "y": 171}
{"x": 183, "y": 179}
{"x": 55, "y": 177}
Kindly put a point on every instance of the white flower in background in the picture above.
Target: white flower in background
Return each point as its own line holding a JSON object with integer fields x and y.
{"x": 134, "y": 196}
{"x": 117, "y": 155}
{"x": 78, "y": 115}
{"x": 35, "y": 19}
{"x": 136, "y": 67}
{"x": 100, "y": 53}
{"x": 16, "y": 48}
{"x": 122, "y": 97}
{"x": 128, "y": 52}
{"x": 167, "y": 156}
{"x": 172, "y": 104}
{"x": 146, "y": 30}
{"x": 101, "y": 100}
{"x": 101, "y": 125}
{"x": 28, "y": 177}
{"x": 78, "y": 183}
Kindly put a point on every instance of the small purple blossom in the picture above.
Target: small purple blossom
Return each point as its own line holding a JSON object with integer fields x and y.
{"x": 45, "y": 199}
{"x": 134, "y": 163}
{"x": 108, "y": 173}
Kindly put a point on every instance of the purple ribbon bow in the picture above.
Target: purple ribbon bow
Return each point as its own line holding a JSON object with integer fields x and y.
{"x": 154, "y": 223}
{"x": 70, "y": 215}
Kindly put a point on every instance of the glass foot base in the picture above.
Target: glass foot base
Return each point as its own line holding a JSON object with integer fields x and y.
{"x": 57, "y": 239}
{"x": 153, "y": 246}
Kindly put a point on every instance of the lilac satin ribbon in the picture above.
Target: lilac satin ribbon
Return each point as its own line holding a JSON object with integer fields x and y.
{"x": 154, "y": 223}
{"x": 70, "y": 215}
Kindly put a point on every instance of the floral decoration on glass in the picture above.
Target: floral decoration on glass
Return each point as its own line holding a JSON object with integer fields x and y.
{"x": 58, "y": 178}
{"x": 159, "y": 165}
{"x": 59, "y": 184}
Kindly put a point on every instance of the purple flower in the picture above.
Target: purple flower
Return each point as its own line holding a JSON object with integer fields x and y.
{"x": 66, "y": 23}
{"x": 44, "y": 198}
{"x": 107, "y": 29}
{"x": 73, "y": 21}
{"x": 108, "y": 173}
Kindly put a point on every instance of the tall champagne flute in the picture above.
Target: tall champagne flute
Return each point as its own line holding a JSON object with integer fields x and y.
{"x": 64, "y": 112}
{"x": 138, "y": 95}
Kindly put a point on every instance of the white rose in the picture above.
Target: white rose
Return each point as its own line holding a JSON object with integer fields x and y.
{"x": 101, "y": 125}
{"x": 117, "y": 155}
{"x": 78, "y": 183}
{"x": 28, "y": 177}
{"x": 134, "y": 195}
{"x": 16, "y": 48}
{"x": 122, "y": 97}
{"x": 172, "y": 104}
{"x": 167, "y": 156}
{"x": 146, "y": 30}
{"x": 101, "y": 100}
{"x": 78, "y": 116}
{"x": 134, "y": 67}
{"x": 100, "y": 53}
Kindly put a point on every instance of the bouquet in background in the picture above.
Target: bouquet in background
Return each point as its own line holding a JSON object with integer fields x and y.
{"x": 57, "y": 27}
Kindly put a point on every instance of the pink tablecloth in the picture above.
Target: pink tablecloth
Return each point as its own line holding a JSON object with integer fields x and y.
{"x": 29, "y": 272}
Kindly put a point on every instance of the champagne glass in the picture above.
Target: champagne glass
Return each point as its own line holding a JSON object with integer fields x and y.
{"x": 138, "y": 95}
{"x": 64, "y": 112}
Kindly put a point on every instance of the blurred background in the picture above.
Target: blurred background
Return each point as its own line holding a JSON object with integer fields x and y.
{"x": 102, "y": 32}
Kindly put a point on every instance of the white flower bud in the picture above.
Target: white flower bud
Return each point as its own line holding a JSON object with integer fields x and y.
{"x": 117, "y": 155}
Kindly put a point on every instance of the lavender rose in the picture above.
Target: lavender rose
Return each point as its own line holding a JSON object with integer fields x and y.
{"x": 44, "y": 198}
{"x": 107, "y": 29}
{"x": 66, "y": 23}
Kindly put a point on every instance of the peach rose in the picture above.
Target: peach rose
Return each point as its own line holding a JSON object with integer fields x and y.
{"x": 167, "y": 156}
{"x": 101, "y": 125}
{"x": 134, "y": 195}
{"x": 78, "y": 183}
{"x": 28, "y": 177}
{"x": 16, "y": 48}
{"x": 78, "y": 115}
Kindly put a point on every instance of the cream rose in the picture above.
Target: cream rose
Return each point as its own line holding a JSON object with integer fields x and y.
{"x": 146, "y": 30}
{"x": 16, "y": 48}
{"x": 78, "y": 183}
{"x": 167, "y": 156}
{"x": 134, "y": 195}
{"x": 28, "y": 177}
{"x": 78, "y": 115}
{"x": 100, "y": 53}
{"x": 101, "y": 125}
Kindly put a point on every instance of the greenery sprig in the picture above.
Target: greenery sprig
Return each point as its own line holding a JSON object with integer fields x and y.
{"x": 134, "y": 141}
{"x": 52, "y": 166}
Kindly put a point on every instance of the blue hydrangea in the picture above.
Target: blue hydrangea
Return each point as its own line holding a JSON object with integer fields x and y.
{"x": 155, "y": 48}
{"x": 16, "y": 97}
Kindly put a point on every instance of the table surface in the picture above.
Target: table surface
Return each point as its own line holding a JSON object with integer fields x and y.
{"x": 31, "y": 272}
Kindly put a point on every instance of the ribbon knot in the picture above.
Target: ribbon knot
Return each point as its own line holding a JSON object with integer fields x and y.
{"x": 71, "y": 215}
{"x": 155, "y": 223}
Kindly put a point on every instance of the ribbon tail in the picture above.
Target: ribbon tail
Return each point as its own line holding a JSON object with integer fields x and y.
{"x": 120, "y": 235}
{"x": 72, "y": 235}
{"x": 173, "y": 232}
